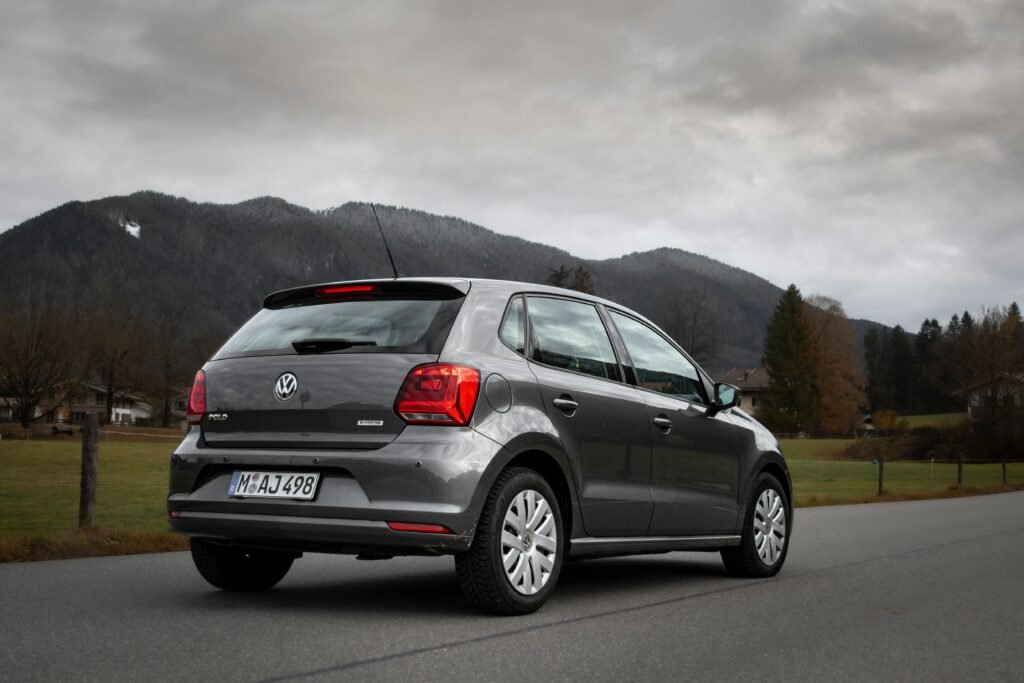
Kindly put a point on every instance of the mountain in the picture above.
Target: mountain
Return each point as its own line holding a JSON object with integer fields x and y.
{"x": 222, "y": 259}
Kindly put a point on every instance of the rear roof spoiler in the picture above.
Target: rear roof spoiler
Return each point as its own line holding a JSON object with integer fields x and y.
{"x": 405, "y": 288}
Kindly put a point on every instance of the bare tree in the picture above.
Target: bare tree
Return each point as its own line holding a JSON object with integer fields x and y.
{"x": 118, "y": 338}
{"x": 995, "y": 357}
{"x": 991, "y": 380}
{"x": 694, "y": 324}
{"x": 174, "y": 353}
{"x": 38, "y": 353}
{"x": 838, "y": 378}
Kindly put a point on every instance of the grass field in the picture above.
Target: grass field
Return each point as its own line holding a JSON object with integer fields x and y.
{"x": 39, "y": 483}
{"x": 39, "y": 488}
{"x": 820, "y": 478}
{"x": 813, "y": 449}
{"x": 844, "y": 481}
{"x": 937, "y": 420}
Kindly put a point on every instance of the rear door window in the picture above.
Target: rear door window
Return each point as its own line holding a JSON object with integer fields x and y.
{"x": 571, "y": 336}
{"x": 659, "y": 365}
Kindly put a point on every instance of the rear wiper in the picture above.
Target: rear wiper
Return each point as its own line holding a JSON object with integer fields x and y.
{"x": 325, "y": 345}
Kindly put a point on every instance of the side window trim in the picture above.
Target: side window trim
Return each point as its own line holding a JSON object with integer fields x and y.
{"x": 632, "y": 368}
{"x": 619, "y": 347}
{"x": 601, "y": 316}
{"x": 527, "y": 326}
{"x": 523, "y": 324}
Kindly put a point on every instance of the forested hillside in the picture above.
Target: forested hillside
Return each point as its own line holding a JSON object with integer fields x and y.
{"x": 218, "y": 261}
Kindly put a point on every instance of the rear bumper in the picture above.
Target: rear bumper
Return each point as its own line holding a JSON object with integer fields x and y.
{"x": 311, "y": 534}
{"x": 429, "y": 475}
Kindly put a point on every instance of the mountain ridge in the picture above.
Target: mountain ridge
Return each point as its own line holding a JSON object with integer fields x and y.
{"x": 226, "y": 257}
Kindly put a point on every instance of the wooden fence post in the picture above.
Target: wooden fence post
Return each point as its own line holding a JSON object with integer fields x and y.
{"x": 960, "y": 470}
{"x": 881, "y": 473}
{"x": 90, "y": 460}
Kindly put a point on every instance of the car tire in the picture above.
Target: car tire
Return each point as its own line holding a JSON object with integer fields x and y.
{"x": 516, "y": 557}
{"x": 764, "y": 541}
{"x": 234, "y": 568}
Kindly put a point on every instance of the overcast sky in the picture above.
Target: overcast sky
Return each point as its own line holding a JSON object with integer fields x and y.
{"x": 873, "y": 152}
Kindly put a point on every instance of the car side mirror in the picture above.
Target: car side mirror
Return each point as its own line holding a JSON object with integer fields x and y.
{"x": 726, "y": 396}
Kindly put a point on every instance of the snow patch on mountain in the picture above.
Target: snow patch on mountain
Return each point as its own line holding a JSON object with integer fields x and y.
{"x": 131, "y": 227}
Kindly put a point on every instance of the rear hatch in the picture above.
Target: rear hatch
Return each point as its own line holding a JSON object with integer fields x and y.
{"x": 321, "y": 367}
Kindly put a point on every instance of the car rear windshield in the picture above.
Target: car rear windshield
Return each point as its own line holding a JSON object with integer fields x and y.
{"x": 377, "y": 325}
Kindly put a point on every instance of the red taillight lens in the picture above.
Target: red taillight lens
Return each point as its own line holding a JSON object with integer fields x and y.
{"x": 342, "y": 290}
{"x": 439, "y": 394}
{"x": 197, "y": 399}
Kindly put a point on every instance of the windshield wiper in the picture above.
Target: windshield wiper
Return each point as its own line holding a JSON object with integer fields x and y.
{"x": 325, "y": 345}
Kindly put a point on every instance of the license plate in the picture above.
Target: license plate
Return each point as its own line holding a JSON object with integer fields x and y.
{"x": 293, "y": 485}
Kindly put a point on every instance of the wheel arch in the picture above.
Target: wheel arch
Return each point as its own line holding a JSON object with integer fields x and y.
{"x": 774, "y": 464}
{"x": 549, "y": 461}
{"x": 770, "y": 462}
{"x": 549, "y": 468}
{"x": 782, "y": 474}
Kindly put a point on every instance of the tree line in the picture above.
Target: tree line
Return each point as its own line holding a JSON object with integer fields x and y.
{"x": 148, "y": 342}
{"x": 934, "y": 370}
{"x": 820, "y": 386}
{"x": 811, "y": 356}
{"x": 691, "y": 318}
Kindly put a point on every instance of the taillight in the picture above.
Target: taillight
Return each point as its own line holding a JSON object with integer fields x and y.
{"x": 343, "y": 290}
{"x": 197, "y": 399}
{"x": 439, "y": 394}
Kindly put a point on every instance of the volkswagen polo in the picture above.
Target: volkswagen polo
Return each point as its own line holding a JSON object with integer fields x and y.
{"x": 513, "y": 426}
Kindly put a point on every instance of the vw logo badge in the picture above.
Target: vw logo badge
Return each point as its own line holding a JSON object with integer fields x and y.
{"x": 285, "y": 387}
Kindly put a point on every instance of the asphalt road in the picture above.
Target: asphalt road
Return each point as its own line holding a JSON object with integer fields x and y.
{"x": 901, "y": 591}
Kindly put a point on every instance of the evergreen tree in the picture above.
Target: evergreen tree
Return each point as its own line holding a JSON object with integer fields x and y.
{"x": 1016, "y": 325}
{"x": 873, "y": 345}
{"x": 582, "y": 281}
{"x": 928, "y": 336}
{"x": 790, "y": 403}
{"x": 953, "y": 328}
{"x": 902, "y": 370}
{"x": 578, "y": 278}
{"x": 878, "y": 367}
{"x": 930, "y": 388}
{"x": 958, "y": 352}
{"x": 560, "y": 277}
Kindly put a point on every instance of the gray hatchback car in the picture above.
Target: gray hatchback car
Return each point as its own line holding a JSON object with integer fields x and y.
{"x": 512, "y": 425}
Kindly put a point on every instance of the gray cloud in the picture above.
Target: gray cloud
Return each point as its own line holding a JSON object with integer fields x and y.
{"x": 871, "y": 151}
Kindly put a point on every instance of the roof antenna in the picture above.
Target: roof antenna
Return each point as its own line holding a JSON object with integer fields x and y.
{"x": 386, "y": 247}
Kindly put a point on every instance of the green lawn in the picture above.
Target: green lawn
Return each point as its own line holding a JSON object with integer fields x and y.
{"x": 820, "y": 478}
{"x": 937, "y": 420}
{"x": 846, "y": 481}
{"x": 813, "y": 449}
{"x": 39, "y": 491}
{"x": 39, "y": 483}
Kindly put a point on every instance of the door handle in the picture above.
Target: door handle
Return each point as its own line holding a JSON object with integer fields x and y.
{"x": 566, "y": 404}
{"x": 663, "y": 423}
